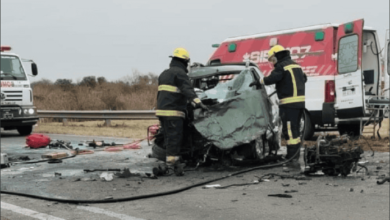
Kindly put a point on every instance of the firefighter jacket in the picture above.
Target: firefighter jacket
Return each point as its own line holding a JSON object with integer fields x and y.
{"x": 174, "y": 89}
{"x": 289, "y": 81}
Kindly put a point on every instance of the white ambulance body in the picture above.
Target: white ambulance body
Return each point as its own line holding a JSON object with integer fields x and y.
{"x": 342, "y": 61}
{"x": 17, "y": 109}
{"x": 386, "y": 71}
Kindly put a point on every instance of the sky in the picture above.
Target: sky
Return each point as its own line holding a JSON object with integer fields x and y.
{"x": 112, "y": 38}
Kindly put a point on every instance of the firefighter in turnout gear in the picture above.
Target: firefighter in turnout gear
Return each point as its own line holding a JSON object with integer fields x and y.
{"x": 289, "y": 81}
{"x": 174, "y": 90}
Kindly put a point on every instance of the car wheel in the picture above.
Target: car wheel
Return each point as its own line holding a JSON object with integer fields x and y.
{"x": 306, "y": 127}
{"x": 25, "y": 130}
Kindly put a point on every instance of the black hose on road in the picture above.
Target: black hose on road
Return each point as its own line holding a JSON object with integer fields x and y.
{"x": 132, "y": 198}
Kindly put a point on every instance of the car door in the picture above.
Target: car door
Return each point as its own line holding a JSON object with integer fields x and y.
{"x": 349, "y": 81}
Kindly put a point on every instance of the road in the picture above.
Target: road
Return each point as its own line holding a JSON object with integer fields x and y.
{"x": 319, "y": 198}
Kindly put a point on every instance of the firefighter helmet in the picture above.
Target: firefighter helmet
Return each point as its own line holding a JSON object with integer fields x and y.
{"x": 275, "y": 49}
{"x": 181, "y": 53}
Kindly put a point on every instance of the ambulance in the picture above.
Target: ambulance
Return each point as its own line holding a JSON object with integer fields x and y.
{"x": 17, "y": 109}
{"x": 343, "y": 63}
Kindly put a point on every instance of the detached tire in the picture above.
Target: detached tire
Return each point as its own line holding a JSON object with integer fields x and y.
{"x": 306, "y": 127}
{"x": 25, "y": 130}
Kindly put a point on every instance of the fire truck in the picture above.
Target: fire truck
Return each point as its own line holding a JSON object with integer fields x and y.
{"x": 17, "y": 109}
{"x": 343, "y": 63}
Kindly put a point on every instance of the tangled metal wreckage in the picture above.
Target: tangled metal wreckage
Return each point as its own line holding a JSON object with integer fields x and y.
{"x": 243, "y": 126}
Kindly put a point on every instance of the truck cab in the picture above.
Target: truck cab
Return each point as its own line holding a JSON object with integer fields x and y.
{"x": 17, "y": 108}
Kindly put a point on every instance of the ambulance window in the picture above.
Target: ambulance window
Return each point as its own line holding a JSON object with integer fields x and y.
{"x": 348, "y": 54}
{"x": 388, "y": 58}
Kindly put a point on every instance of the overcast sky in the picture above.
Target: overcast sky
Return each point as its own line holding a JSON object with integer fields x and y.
{"x": 76, "y": 38}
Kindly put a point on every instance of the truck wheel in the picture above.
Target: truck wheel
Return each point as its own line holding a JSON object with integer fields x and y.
{"x": 349, "y": 129}
{"x": 306, "y": 128}
{"x": 25, "y": 130}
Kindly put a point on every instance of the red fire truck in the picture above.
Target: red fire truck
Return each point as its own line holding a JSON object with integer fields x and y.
{"x": 342, "y": 61}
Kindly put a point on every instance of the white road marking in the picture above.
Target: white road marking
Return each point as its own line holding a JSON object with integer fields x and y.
{"x": 108, "y": 213}
{"x": 28, "y": 212}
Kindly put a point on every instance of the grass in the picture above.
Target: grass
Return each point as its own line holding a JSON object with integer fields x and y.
{"x": 119, "y": 128}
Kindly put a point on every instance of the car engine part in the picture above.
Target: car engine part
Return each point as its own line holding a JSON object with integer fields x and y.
{"x": 333, "y": 157}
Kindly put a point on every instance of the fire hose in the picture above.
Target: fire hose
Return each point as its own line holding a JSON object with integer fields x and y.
{"x": 152, "y": 195}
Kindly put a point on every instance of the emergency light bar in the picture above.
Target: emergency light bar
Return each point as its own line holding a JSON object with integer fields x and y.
{"x": 5, "y": 48}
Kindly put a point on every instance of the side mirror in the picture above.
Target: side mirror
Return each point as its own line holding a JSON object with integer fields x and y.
{"x": 34, "y": 69}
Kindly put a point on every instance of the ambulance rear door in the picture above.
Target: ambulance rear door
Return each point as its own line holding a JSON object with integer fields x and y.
{"x": 386, "y": 73}
{"x": 349, "y": 80}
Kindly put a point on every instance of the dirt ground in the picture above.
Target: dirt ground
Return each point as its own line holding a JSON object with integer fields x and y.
{"x": 136, "y": 129}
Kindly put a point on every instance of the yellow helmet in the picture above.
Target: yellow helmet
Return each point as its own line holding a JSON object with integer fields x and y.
{"x": 275, "y": 49}
{"x": 181, "y": 53}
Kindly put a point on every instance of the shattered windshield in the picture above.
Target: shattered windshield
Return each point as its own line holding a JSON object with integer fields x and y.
{"x": 226, "y": 86}
{"x": 11, "y": 68}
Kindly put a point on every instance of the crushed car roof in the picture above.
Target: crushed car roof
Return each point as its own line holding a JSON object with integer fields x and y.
{"x": 206, "y": 71}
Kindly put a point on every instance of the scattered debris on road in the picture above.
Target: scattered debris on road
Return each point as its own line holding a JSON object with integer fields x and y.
{"x": 332, "y": 156}
{"x": 281, "y": 195}
{"x": 107, "y": 176}
{"x": 94, "y": 170}
{"x": 55, "y": 155}
{"x": 60, "y": 144}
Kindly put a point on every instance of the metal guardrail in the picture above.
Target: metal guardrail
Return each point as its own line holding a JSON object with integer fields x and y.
{"x": 105, "y": 115}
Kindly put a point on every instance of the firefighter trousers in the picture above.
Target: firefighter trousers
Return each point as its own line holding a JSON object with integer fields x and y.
{"x": 291, "y": 118}
{"x": 172, "y": 129}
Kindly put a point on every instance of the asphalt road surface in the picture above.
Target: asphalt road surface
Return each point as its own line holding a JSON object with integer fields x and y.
{"x": 355, "y": 197}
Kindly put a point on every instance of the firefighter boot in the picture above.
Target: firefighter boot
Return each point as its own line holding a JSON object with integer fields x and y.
{"x": 173, "y": 162}
{"x": 293, "y": 153}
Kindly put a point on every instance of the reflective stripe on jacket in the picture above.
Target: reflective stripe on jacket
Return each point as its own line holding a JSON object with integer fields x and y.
{"x": 289, "y": 80}
{"x": 174, "y": 89}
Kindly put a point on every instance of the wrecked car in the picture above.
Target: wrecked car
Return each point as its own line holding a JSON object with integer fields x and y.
{"x": 242, "y": 125}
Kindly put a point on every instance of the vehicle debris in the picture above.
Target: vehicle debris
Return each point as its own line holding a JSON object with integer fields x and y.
{"x": 242, "y": 125}
{"x": 82, "y": 152}
{"x": 335, "y": 156}
{"x": 211, "y": 186}
{"x": 24, "y": 158}
{"x": 55, "y": 155}
{"x": 94, "y": 170}
{"x": 125, "y": 174}
{"x": 60, "y": 144}
{"x": 101, "y": 143}
{"x": 290, "y": 191}
{"x": 107, "y": 176}
{"x": 281, "y": 195}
